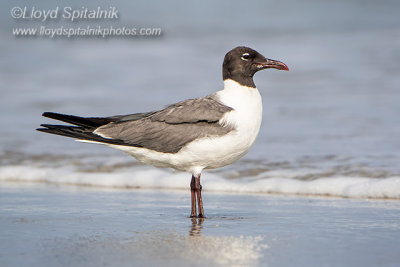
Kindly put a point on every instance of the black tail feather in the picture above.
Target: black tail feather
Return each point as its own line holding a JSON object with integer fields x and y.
{"x": 84, "y": 127}
{"x": 82, "y": 131}
{"x": 76, "y": 120}
{"x": 69, "y": 131}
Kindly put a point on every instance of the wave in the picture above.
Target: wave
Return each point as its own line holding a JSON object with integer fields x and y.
{"x": 152, "y": 178}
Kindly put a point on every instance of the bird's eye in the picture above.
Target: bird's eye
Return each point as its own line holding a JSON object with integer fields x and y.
{"x": 245, "y": 56}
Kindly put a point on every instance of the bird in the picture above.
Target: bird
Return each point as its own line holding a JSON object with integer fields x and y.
{"x": 189, "y": 136}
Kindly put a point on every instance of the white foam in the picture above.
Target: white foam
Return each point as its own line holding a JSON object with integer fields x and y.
{"x": 145, "y": 177}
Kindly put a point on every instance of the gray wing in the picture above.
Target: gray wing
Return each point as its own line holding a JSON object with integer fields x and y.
{"x": 191, "y": 111}
{"x": 171, "y": 128}
{"x": 130, "y": 117}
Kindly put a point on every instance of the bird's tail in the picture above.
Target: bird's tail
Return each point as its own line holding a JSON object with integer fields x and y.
{"x": 76, "y": 120}
{"x": 83, "y": 130}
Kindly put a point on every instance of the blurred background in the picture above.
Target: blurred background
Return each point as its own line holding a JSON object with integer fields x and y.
{"x": 336, "y": 113}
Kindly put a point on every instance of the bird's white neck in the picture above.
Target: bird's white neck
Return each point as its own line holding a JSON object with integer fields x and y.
{"x": 232, "y": 84}
{"x": 239, "y": 97}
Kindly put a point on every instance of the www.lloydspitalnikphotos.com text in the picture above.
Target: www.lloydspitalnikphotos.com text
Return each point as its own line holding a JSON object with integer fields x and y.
{"x": 68, "y": 14}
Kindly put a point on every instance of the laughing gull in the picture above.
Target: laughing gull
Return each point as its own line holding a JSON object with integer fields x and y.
{"x": 192, "y": 135}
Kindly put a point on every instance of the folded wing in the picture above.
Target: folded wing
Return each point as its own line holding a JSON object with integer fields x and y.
{"x": 167, "y": 130}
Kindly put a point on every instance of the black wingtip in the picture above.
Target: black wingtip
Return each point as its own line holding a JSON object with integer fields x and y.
{"x": 48, "y": 126}
{"x": 91, "y": 122}
{"x": 42, "y": 129}
{"x": 51, "y": 114}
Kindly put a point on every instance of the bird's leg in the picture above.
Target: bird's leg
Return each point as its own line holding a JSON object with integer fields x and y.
{"x": 193, "y": 214}
{"x": 199, "y": 199}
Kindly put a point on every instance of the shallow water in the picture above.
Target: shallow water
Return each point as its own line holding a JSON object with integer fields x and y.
{"x": 330, "y": 125}
{"x": 47, "y": 225}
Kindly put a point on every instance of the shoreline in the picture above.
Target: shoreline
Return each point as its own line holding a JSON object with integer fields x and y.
{"x": 133, "y": 188}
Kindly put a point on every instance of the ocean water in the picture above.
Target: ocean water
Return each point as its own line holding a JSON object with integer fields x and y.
{"x": 50, "y": 225}
{"x": 331, "y": 125}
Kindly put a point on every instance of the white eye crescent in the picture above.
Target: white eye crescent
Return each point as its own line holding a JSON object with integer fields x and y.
{"x": 245, "y": 56}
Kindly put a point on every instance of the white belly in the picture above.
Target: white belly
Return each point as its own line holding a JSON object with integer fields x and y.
{"x": 215, "y": 152}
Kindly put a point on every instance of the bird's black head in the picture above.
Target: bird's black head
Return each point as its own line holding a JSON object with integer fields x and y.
{"x": 241, "y": 63}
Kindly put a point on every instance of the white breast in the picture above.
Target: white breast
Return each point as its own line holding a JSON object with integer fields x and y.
{"x": 247, "y": 105}
{"x": 210, "y": 153}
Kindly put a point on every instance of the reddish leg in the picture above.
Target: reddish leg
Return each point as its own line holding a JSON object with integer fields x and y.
{"x": 199, "y": 199}
{"x": 193, "y": 214}
{"x": 195, "y": 190}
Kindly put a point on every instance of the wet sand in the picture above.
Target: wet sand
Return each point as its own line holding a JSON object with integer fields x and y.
{"x": 46, "y": 225}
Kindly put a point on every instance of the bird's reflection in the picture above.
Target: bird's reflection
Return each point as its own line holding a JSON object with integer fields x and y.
{"x": 196, "y": 226}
